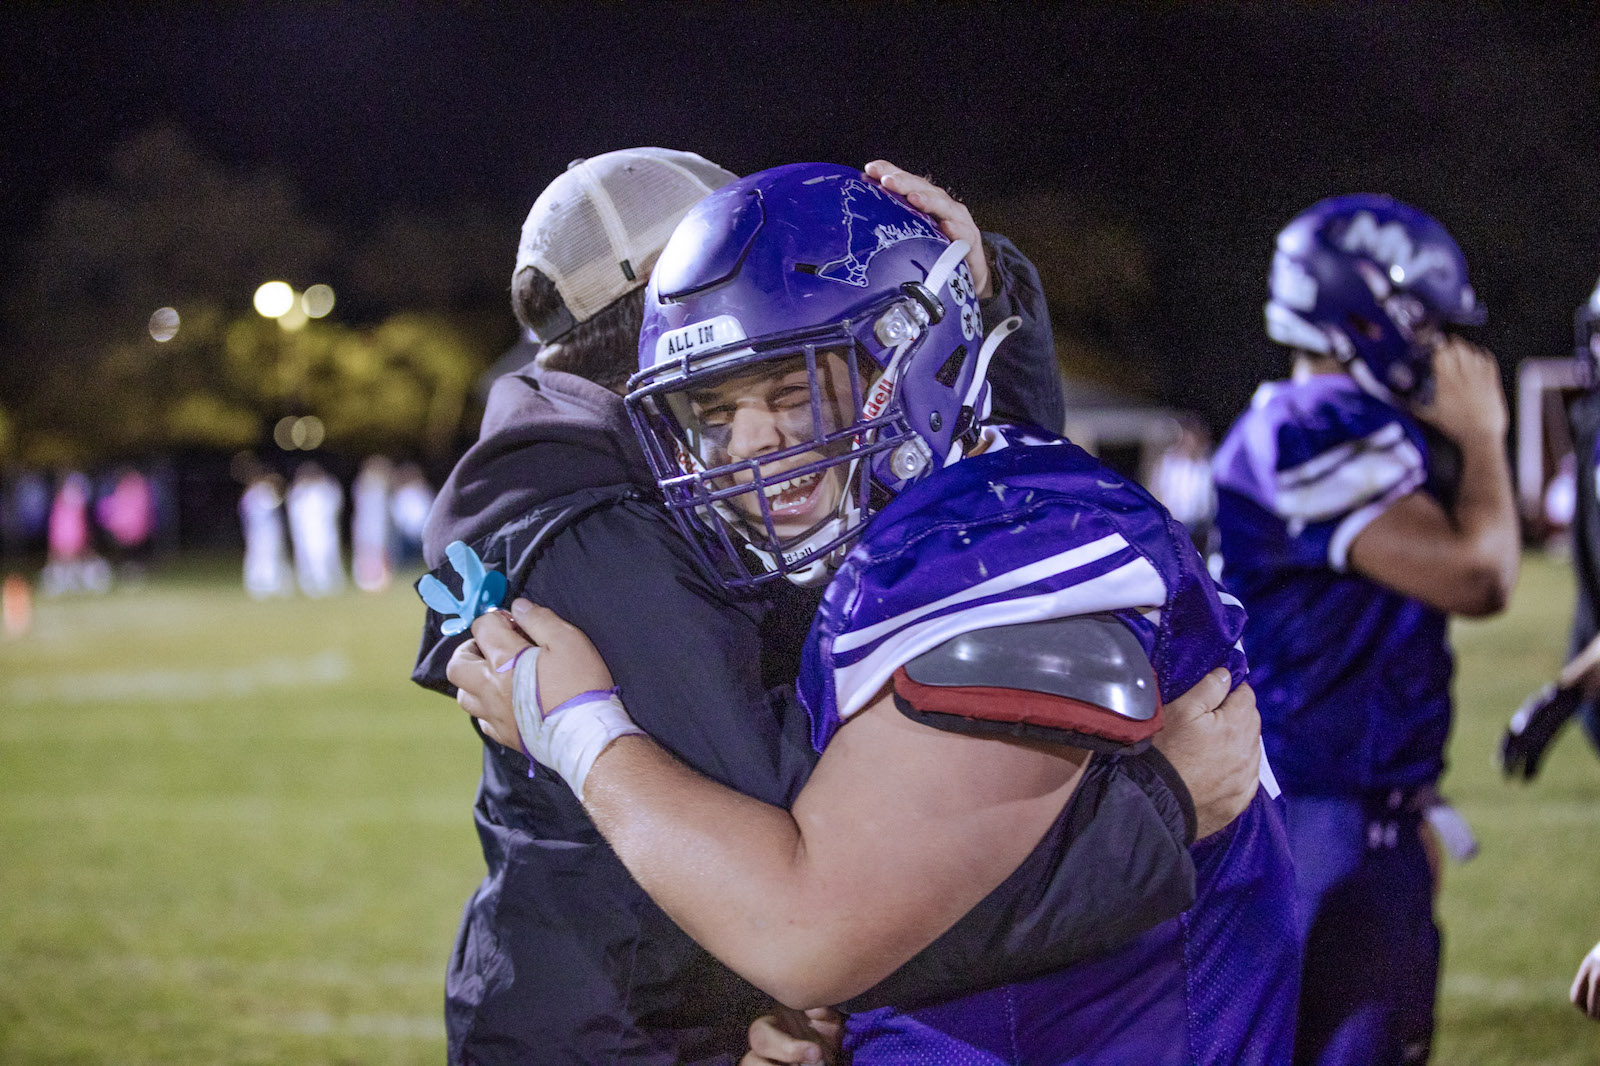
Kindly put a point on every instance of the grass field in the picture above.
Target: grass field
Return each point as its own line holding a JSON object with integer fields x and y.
{"x": 232, "y": 832}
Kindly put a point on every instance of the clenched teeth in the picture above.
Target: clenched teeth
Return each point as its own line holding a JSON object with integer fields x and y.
{"x": 794, "y": 484}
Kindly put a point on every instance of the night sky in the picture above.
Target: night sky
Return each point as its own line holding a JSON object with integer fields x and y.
{"x": 1202, "y": 128}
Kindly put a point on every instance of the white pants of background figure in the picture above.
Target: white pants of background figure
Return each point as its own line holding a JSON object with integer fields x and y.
{"x": 315, "y": 503}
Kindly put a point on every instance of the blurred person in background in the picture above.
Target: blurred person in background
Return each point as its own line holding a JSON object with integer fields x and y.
{"x": 408, "y": 511}
{"x": 561, "y": 957}
{"x": 1350, "y": 550}
{"x": 266, "y": 556}
{"x": 73, "y": 565}
{"x": 371, "y": 551}
{"x": 24, "y": 513}
{"x": 1536, "y": 724}
{"x": 315, "y": 504}
{"x": 1181, "y": 480}
{"x": 126, "y": 510}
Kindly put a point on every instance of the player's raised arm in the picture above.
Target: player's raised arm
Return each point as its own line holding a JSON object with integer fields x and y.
{"x": 1462, "y": 560}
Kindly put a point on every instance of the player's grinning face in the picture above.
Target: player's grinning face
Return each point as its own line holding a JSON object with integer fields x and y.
{"x": 770, "y": 409}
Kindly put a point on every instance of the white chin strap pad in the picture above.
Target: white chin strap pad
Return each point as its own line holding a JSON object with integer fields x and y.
{"x": 569, "y": 738}
{"x": 945, "y": 265}
{"x": 980, "y": 377}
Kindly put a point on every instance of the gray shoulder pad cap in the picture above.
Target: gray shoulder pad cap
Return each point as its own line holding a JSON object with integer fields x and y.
{"x": 1092, "y": 658}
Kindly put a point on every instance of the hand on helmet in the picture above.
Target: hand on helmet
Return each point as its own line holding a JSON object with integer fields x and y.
{"x": 951, "y": 214}
{"x": 1468, "y": 400}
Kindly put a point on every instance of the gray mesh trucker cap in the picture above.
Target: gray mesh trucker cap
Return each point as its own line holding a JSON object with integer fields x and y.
{"x": 597, "y": 229}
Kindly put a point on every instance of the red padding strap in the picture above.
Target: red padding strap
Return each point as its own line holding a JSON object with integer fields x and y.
{"x": 992, "y": 704}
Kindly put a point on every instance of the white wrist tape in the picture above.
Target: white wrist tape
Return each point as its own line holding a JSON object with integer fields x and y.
{"x": 569, "y": 738}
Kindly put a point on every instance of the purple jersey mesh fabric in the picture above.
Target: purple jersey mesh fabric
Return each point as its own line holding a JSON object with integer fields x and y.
{"x": 1031, "y": 529}
{"x": 1352, "y": 679}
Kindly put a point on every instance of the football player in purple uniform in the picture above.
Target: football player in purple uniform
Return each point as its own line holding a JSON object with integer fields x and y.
{"x": 560, "y": 957}
{"x": 1350, "y": 548}
{"x": 1003, "y": 620}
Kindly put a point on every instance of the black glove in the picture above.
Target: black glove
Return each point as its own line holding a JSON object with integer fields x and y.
{"x": 1533, "y": 726}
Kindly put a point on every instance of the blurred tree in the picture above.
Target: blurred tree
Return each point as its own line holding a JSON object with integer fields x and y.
{"x": 399, "y": 386}
{"x": 86, "y": 377}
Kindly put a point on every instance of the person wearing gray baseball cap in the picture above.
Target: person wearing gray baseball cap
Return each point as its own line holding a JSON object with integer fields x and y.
{"x": 561, "y": 957}
{"x": 587, "y": 250}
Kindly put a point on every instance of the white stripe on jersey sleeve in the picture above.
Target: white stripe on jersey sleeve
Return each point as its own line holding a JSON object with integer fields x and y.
{"x": 1135, "y": 585}
{"x": 1346, "y": 532}
{"x": 1346, "y": 478}
{"x": 1318, "y": 465}
{"x": 1071, "y": 559}
{"x": 1269, "y": 780}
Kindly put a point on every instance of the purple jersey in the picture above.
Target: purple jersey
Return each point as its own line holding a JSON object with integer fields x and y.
{"x": 1352, "y": 678}
{"x": 1032, "y": 530}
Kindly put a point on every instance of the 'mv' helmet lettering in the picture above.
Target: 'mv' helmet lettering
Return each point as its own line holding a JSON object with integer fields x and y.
{"x": 813, "y": 304}
{"x": 1370, "y": 281}
{"x": 1390, "y": 245}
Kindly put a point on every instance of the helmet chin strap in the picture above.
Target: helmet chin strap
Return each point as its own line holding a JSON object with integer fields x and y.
{"x": 946, "y": 265}
{"x": 980, "y": 377}
{"x": 820, "y": 569}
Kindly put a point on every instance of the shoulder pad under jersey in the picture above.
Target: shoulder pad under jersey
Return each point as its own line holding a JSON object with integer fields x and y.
{"x": 1084, "y": 680}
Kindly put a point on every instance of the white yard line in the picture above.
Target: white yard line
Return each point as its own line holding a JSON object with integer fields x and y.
{"x": 386, "y": 1026}
{"x": 1509, "y": 991}
{"x": 301, "y": 973}
{"x": 244, "y": 810}
{"x": 177, "y": 685}
{"x": 320, "y": 972}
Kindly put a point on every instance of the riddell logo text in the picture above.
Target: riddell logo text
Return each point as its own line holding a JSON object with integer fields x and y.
{"x": 880, "y": 396}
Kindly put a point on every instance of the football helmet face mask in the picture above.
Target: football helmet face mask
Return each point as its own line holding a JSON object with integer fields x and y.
{"x": 1374, "y": 283}
{"x": 811, "y": 345}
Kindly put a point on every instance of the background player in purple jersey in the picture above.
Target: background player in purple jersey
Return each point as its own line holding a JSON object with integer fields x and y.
{"x": 1349, "y": 550}
{"x": 814, "y": 389}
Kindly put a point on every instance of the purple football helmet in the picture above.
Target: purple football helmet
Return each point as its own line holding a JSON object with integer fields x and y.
{"x": 1372, "y": 282}
{"x": 811, "y": 345}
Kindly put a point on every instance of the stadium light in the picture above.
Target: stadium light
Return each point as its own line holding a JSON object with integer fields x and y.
{"x": 317, "y": 301}
{"x": 164, "y": 325}
{"x": 274, "y": 299}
